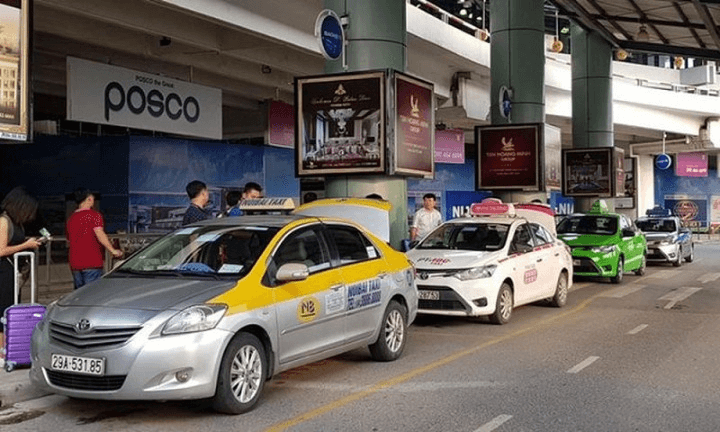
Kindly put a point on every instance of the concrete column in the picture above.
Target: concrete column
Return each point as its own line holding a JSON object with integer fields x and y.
{"x": 518, "y": 59}
{"x": 376, "y": 36}
{"x": 592, "y": 122}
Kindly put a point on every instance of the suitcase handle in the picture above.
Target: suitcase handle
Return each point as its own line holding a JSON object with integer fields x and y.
{"x": 33, "y": 285}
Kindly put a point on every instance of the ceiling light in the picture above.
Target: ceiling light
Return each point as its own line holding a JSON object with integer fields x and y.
{"x": 642, "y": 34}
{"x": 470, "y": 16}
{"x": 565, "y": 30}
{"x": 463, "y": 12}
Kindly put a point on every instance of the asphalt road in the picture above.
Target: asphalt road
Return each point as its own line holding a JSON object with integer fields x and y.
{"x": 639, "y": 356}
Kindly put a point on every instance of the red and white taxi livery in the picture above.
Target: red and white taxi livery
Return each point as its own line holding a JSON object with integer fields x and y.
{"x": 501, "y": 257}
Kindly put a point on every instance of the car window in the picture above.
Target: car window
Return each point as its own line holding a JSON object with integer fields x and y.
{"x": 624, "y": 223}
{"x": 542, "y": 236}
{"x": 588, "y": 224}
{"x": 467, "y": 236}
{"x": 352, "y": 246}
{"x": 522, "y": 240}
{"x": 302, "y": 247}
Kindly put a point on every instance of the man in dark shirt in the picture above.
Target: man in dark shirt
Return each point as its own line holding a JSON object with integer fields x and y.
{"x": 199, "y": 196}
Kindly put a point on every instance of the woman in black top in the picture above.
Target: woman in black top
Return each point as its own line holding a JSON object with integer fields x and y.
{"x": 18, "y": 208}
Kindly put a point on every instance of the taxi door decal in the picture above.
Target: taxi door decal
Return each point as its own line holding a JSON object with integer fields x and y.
{"x": 363, "y": 294}
{"x": 308, "y": 309}
{"x": 530, "y": 276}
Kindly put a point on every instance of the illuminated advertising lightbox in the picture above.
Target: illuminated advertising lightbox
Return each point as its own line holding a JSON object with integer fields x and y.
{"x": 692, "y": 210}
{"x": 693, "y": 164}
{"x": 509, "y": 157}
{"x": 14, "y": 70}
{"x": 414, "y": 127}
{"x": 340, "y": 124}
{"x": 281, "y": 124}
{"x": 593, "y": 172}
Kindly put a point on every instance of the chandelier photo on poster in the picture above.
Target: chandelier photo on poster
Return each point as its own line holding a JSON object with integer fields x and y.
{"x": 340, "y": 122}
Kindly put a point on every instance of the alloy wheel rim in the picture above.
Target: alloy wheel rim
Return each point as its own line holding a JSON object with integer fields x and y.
{"x": 394, "y": 330}
{"x": 505, "y": 304}
{"x": 246, "y": 373}
{"x": 562, "y": 289}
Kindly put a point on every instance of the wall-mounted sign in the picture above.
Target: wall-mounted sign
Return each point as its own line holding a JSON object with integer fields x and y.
{"x": 104, "y": 94}
{"x": 340, "y": 124}
{"x": 663, "y": 161}
{"x": 593, "y": 172}
{"x": 281, "y": 124}
{"x": 509, "y": 156}
{"x": 694, "y": 164}
{"x": 414, "y": 127}
{"x": 14, "y": 77}
{"x": 450, "y": 146}
{"x": 692, "y": 210}
{"x": 330, "y": 34}
{"x": 505, "y": 101}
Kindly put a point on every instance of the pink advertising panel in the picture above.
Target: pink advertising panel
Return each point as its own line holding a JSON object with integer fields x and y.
{"x": 450, "y": 146}
{"x": 281, "y": 124}
{"x": 693, "y": 164}
{"x": 414, "y": 126}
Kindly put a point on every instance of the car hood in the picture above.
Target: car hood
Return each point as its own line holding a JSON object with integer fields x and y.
{"x": 657, "y": 236}
{"x": 435, "y": 259}
{"x": 588, "y": 239}
{"x": 154, "y": 294}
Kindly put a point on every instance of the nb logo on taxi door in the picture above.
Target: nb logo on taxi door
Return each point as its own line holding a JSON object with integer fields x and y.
{"x": 308, "y": 309}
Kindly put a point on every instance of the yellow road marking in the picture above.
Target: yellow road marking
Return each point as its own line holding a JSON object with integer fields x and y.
{"x": 420, "y": 370}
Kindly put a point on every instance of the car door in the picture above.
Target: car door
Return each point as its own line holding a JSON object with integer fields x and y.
{"x": 309, "y": 311}
{"x": 632, "y": 243}
{"x": 548, "y": 259}
{"x": 364, "y": 274}
{"x": 524, "y": 259}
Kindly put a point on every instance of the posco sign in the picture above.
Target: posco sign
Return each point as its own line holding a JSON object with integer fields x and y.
{"x": 105, "y": 94}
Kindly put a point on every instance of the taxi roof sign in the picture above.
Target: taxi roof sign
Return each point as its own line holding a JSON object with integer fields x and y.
{"x": 658, "y": 211}
{"x": 599, "y": 207}
{"x": 267, "y": 205}
{"x": 492, "y": 207}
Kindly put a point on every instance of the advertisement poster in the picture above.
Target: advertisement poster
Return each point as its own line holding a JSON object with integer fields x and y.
{"x": 588, "y": 172}
{"x": 414, "y": 126}
{"x": 14, "y": 55}
{"x": 450, "y": 146}
{"x": 628, "y": 198}
{"x": 552, "y": 155}
{"x": 693, "y": 164}
{"x": 508, "y": 157}
{"x": 691, "y": 210}
{"x": 619, "y": 167}
{"x": 457, "y": 203}
{"x": 281, "y": 124}
{"x": 340, "y": 124}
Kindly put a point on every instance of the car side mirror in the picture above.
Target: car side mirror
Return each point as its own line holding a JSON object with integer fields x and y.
{"x": 685, "y": 230}
{"x": 292, "y": 272}
{"x": 414, "y": 243}
{"x": 628, "y": 232}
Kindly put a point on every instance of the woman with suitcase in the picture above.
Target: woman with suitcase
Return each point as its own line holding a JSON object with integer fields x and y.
{"x": 18, "y": 208}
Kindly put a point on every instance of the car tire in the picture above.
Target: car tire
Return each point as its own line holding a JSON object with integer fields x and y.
{"x": 691, "y": 256}
{"x": 620, "y": 270}
{"x": 679, "y": 260}
{"x": 242, "y": 375}
{"x": 561, "y": 291}
{"x": 390, "y": 342}
{"x": 503, "y": 306}
{"x": 640, "y": 271}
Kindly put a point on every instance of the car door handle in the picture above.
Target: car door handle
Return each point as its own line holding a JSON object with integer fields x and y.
{"x": 382, "y": 275}
{"x": 557, "y": 253}
{"x": 539, "y": 259}
{"x": 336, "y": 287}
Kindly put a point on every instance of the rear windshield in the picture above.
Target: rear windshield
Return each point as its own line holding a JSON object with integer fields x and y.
{"x": 474, "y": 237}
{"x": 588, "y": 224}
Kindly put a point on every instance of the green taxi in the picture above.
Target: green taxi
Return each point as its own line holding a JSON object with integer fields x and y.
{"x": 603, "y": 244}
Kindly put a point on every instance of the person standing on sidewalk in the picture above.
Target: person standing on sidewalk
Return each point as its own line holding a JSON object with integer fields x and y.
{"x": 86, "y": 238}
{"x": 18, "y": 208}
{"x": 199, "y": 197}
{"x": 426, "y": 219}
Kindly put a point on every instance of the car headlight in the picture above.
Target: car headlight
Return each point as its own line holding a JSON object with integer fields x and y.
{"x": 195, "y": 319}
{"x": 476, "y": 272}
{"x": 604, "y": 249}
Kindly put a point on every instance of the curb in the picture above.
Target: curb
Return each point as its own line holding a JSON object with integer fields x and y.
{"x": 16, "y": 387}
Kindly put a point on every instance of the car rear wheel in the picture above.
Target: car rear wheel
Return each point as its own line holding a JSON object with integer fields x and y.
{"x": 503, "y": 306}
{"x": 643, "y": 265}
{"x": 561, "y": 291}
{"x": 393, "y": 334}
{"x": 620, "y": 270}
{"x": 243, "y": 371}
{"x": 691, "y": 255}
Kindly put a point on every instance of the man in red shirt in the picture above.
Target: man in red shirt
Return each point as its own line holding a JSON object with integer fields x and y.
{"x": 86, "y": 237}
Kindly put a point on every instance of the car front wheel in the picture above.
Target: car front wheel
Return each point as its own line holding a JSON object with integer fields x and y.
{"x": 691, "y": 255}
{"x": 561, "y": 291}
{"x": 643, "y": 265}
{"x": 393, "y": 334}
{"x": 503, "y": 306}
{"x": 243, "y": 371}
{"x": 679, "y": 260}
{"x": 620, "y": 270}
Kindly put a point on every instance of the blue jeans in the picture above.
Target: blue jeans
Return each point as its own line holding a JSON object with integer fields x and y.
{"x": 84, "y": 277}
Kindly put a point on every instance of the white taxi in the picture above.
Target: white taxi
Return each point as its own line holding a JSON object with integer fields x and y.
{"x": 502, "y": 257}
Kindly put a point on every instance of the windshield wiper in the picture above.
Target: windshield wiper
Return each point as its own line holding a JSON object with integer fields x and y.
{"x": 147, "y": 273}
{"x": 199, "y": 273}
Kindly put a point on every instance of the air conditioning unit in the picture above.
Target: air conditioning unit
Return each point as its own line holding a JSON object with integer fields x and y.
{"x": 697, "y": 76}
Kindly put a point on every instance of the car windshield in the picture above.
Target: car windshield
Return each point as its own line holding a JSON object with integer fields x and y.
{"x": 588, "y": 224}
{"x": 467, "y": 236}
{"x": 202, "y": 251}
{"x": 656, "y": 225}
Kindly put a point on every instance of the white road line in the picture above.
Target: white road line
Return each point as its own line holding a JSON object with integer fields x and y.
{"x": 678, "y": 295}
{"x": 623, "y": 291}
{"x": 709, "y": 277}
{"x": 637, "y": 329}
{"x": 583, "y": 364}
{"x": 494, "y": 423}
{"x": 665, "y": 274}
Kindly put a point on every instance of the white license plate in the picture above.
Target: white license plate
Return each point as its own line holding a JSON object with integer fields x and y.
{"x": 576, "y": 262}
{"x": 429, "y": 295}
{"x": 80, "y": 365}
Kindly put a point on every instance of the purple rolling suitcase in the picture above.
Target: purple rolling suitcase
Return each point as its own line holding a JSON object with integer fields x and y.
{"x": 20, "y": 320}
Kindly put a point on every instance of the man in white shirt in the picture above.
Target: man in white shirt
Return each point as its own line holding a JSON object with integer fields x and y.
{"x": 426, "y": 219}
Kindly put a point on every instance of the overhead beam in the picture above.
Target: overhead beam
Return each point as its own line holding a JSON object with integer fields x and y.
{"x": 686, "y": 21}
{"x": 613, "y": 22}
{"x": 710, "y": 23}
{"x": 670, "y": 49}
{"x": 648, "y": 21}
{"x": 586, "y": 20}
{"x": 643, "y": 16}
